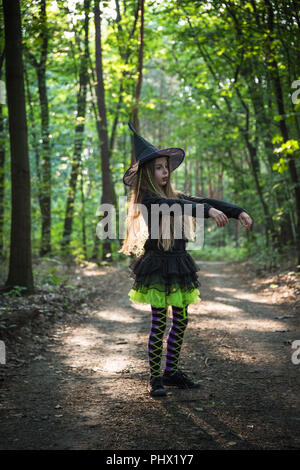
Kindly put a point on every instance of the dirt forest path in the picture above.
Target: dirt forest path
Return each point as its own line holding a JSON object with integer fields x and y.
{"x": 86, "y": 388}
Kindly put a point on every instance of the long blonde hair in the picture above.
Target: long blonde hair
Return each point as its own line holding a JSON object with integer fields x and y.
{"x": 136, "y": 226}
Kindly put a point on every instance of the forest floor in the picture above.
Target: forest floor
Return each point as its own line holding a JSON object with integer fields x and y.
{"x": 76, "y": 367}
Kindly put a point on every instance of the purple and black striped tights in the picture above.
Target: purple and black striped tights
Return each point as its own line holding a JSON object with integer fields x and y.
{"x": 174, "y": 340}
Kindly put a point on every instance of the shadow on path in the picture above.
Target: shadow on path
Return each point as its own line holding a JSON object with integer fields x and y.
{"x": 89, "y": 388}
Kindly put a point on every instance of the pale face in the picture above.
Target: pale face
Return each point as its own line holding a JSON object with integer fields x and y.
{"x": 161, "y": 171}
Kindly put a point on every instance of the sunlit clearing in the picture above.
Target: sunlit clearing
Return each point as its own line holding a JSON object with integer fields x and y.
{"x": 223, "y": 275}
{"x": 222, "y": 315}
{"x": 219, "y": 307}
{"x": 243, "y": 295}
{"x": 114, "y": 363}
{"x": 118, "y": 315}
{"x": 238, "y": 324}
{"x": 84, "y": 337}
{"x": 143, "y": 307}
{"x": 105, "y": 353}
{"x": 93, "y": 272}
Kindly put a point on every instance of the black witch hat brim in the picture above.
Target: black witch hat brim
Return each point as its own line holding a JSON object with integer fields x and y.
{"x": 145, "y": 151}
{"x": 176, "y": 157}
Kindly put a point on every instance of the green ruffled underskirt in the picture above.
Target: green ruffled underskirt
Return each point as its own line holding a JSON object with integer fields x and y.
{"x": 179, "y": 297}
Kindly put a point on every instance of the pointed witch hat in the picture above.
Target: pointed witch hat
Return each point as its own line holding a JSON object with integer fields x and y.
{"x": 144, "y": 152}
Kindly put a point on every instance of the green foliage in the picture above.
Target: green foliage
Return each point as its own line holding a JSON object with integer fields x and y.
{"x": 16, "y": 291}
{"x": 210, "y": 71}
{"x": 49, "y": 275}
{"x": 221, "y": 253}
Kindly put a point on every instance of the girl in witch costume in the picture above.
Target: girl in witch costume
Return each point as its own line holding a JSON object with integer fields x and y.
{"x": 164, "y": 273}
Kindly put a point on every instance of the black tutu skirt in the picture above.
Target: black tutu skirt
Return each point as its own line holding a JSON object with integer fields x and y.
{"x": 165, "y": 278}
{"x": 165, "y": 272}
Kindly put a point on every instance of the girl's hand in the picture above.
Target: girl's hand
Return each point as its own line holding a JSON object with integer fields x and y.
{"x": 245, "y": 220}
{"x": 219, "y": 216}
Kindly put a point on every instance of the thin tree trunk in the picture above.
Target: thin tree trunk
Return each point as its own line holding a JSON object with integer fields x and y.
{"x": 201, "y": 178}
{"x": 2, "y": 179}
{"x": 185, "y": 176}
{"x": 252, "y": 149}
{"x": 45, "y": 169}
{"x": 34, "y": 137}
{"x": 108, "y": 194}
{"x": 190, "y": 164}
{"x": 46, "y": 166}
{"x": 125, "y": 55}
{"x": 209, "y": 177}
{"x": 79, "y": 133}
{"x": 20, "y": 264}
{"x": 83, "y": 219}
{"x": 263, "y": 126}
{"x": 283, "y": 126}
{"x": 136, "y": 122}
{"x": 197, "y": 178}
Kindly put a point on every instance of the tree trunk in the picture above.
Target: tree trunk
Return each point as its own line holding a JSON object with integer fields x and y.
{"x": 136, "y": 122}
{"x": 125, "y": 55}
{"x": 45, "y": 169}
{"x": 20, "y": 264}
{"x": 34, "y": 138}
{"x": 197, "y": 178}
{"x": 185, "y": 176}
{"x": 255, "y": 167}
{"x": 283, "y": 126}
{"x": 79, "y": 133}
{"x": 46, "y": 166}
{"x": 2, "y": 179}
{"x": 108, "y": 195}
{"x": 83, "y": 223}
{"x": 263, "y": 126}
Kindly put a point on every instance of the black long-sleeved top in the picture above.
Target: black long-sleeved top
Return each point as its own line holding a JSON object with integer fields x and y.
{"x": 230, "y": 210}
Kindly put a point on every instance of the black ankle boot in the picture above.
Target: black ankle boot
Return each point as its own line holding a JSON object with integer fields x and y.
{"x": 156, "y": 388}
{"x": 179, "y": 379}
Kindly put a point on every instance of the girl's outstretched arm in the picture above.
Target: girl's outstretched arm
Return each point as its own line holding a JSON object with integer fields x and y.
{"x": 219, "y": 208}
{"x": 230, "y": 210}
{"x": 150, "y": 198}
